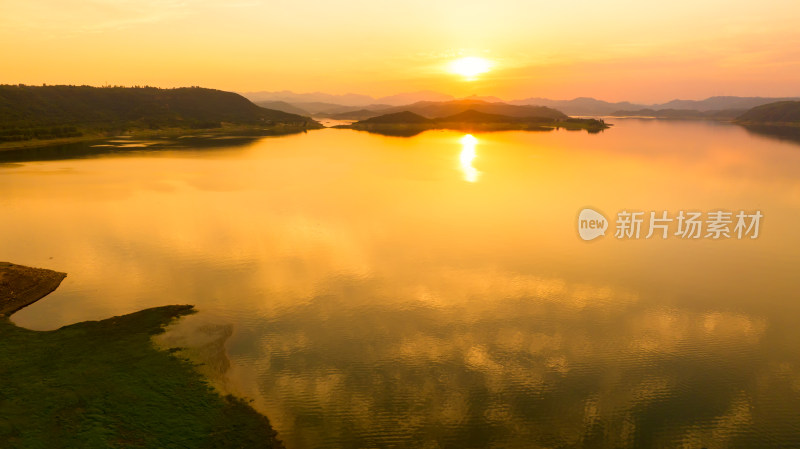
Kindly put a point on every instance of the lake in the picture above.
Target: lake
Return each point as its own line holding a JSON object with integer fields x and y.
{"x": 433, "y": 291}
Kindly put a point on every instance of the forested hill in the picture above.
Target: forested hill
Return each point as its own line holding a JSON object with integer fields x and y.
{"x": 25, "y": 108}
{"x": 782, "y": 112}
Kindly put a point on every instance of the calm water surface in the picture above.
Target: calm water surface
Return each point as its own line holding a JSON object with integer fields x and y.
{"x": 433, "y": 292}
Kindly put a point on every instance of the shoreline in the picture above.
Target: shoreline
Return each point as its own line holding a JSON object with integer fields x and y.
{"x": 589, "y": 125}
{"x": 37, "y": 143}
{"x": 21, "y": 286}
{"x": 228, "y": 130}
{"x": 108, "y": 384}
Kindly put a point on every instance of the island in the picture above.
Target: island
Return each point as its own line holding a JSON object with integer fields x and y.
{"x": 32, "y": 116}
{"x": 407, "y": 123}
{"x": 105, "y": 384}
{"x": 433, "y": 109}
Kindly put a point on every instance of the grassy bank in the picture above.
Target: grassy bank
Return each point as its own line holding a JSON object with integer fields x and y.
{"x": 103, "y": 384}
{"x": 231, "y": 130}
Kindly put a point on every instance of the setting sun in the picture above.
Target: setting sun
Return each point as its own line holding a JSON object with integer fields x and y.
{"x": 470, "y": 67}
{"x": 322, "y": 224}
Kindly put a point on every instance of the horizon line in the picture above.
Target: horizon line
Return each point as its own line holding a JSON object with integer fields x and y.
{"x": 373, "y": 97}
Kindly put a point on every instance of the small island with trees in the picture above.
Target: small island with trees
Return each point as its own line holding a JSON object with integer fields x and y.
{"x": 407, "y": 123}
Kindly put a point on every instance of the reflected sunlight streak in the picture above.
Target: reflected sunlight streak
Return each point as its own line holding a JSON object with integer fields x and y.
{"x": 467, "y": 156}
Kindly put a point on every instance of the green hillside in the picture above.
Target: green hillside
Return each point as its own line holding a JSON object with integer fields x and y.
{"x": 46, "y": 112}
{"x": 782, "y": 112}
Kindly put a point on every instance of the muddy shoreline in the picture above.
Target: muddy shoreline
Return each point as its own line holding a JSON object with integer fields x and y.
{"x": 21, "y": 286}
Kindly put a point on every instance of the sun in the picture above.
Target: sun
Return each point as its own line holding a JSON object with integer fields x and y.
{"x": 470, "y": 67}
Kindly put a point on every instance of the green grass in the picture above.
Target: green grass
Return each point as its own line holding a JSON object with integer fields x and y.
{"x": 102, "y": 384}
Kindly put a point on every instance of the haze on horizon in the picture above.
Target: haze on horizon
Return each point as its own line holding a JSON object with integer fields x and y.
{"x": 614, "y": 50}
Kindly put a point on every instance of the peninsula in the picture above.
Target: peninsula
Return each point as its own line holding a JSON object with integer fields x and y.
{"x": 46, "y": 115}
{"x": 105, "y": 384}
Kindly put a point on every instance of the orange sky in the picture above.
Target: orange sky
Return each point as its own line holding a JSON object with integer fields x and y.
{"x": 612, "y": 49}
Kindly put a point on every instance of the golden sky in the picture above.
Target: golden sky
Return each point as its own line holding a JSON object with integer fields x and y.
{"x": 608, "y": 49}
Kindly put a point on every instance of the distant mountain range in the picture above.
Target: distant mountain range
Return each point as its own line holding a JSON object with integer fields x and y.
{"x": 434, "y": 109}
{"x": 318, "y": 108}
{"x": 327, "y": 105}
{"x": 284, "y": 107}
{"x": 591, "y": 106}
{"x": 346, "y": 99}
{"x": 581, "y": 105}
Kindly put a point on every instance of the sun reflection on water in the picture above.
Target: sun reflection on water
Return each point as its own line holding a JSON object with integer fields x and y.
{"x": 467, "y": 156}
